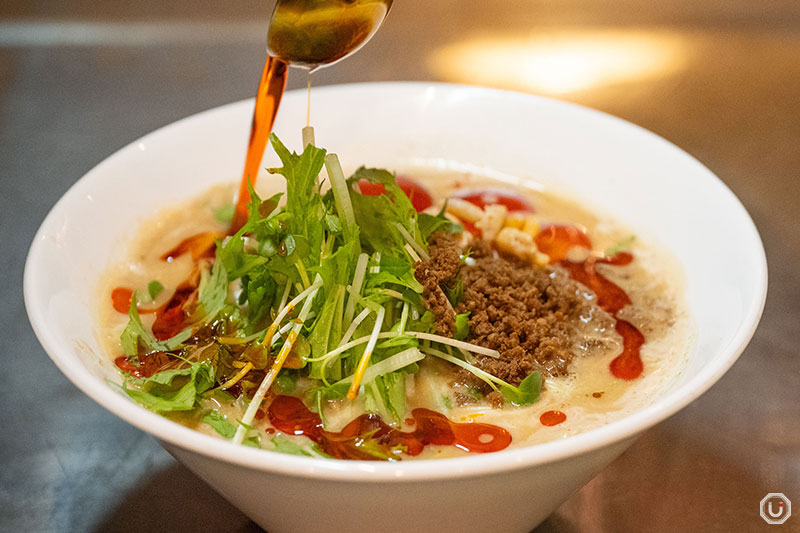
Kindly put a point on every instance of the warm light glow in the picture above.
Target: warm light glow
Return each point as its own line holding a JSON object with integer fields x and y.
{"x": 560, "y": 62}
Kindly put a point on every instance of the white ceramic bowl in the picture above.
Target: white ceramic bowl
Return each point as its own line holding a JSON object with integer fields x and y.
{"x": 643, "y": 180}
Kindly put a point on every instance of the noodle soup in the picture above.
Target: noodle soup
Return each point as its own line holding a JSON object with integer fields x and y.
{"x": 487, "y": 316}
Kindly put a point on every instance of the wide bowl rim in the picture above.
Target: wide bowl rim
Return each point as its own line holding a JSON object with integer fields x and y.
{"x": 364, "y": 471}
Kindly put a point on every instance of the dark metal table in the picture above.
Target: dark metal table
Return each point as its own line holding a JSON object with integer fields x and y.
{"x": 720, "y": 78}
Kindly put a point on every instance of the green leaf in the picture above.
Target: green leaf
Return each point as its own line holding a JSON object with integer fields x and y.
{"x": 375, "y": 222}
{"x": 223, "y": 395}
{"x": 401, "y": 341}
{"x": 257, "y": 355}
{"x": 254, "y": 441}
{"x": 455, "y": 293}
{"x": 154, "y": 288}
{"x": 377, "y": 216}
{"x": 338, "y": 268}
{"x": 392, "y": 391}
{"x": 473, "y": 392}
{"x": 395, "y": 265}
{"x": 220, "y": 424}
{"x": 322, "y": 394}
{"x": 173, "y": 342}
{"x": 136, "y": 334}
{"x": 326, "y": 334}
{"x": 424, "y": 324}
{"x": 527, "y": 392}
{"x": 286, "y": 382}
{"x": 259, "y": 293}
{"x": 289, "y": 244}
{"x": 319, "y": 452}
{"x": 368, "y": 444}
{"x": 430, "y": 224}
{"x": 224, "y": 214}
{"x": 172, "y": 390}
{"x": 332, "y": 223}
{"x": 213, "y": 290}
{"x": 283, "y": 445}
{"x": 622, "y": 246}
{"x": 403, "y": 207}
{"x": 462, "y": 326}
{"x": 303, "y": 203}
{"x": 385, "y": 278}
{"x": 236, "y": 261}
{"x": 259, "y": 212}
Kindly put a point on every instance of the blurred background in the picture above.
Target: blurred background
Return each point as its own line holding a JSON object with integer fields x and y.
{"x": 719, "y": 78}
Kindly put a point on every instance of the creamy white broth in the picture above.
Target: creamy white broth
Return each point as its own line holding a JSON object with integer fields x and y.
{"x": 590, "y": 396}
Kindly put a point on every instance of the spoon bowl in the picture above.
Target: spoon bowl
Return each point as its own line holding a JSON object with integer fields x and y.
{"x": 316, "y": 33}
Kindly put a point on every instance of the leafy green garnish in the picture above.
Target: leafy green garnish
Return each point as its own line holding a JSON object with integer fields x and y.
{"x": 254, "y": 441}
{"x": 472, "y": 392}
{"x": 174, "y": 342}
{"x": 378, "y": 216}
{"x": 430, "y": 224}
{"x": 252, "y": 437}
{"x": 326, "y": 334}
{"x": 284, "y": 445}
{"x": 224, "y": 214}
{"x": 172, "y": 390}
{"x": 237, "y": 262}
{"x": 154, "y": 288}
{"x": 622, "y": 246}
{"x": 258, "y": 292}
{"x": 287, "y": 382}
{"x": 455, "y": 293}
{"x": 220, "y": 424}
{"x": 303, "y": 205}
{"x": 223, "y": 395}
{"x": 136, "y": 334}
{"x": 527, "y": 392}
{"x": 371, "y": 446}
{"x": 324, "y": 393}
{"x": 332, "y": 223}
{"x": 213, "y": 290}
{"x": 389, "y": 392}
{"x": 316, "y": 449}
{"x": 447, "y": 402}
{"x": 462, "y": 326}
{"x": 309, "y": 242}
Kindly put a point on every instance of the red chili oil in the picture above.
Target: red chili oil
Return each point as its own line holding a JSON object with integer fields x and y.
{"x": 555, "y": 241}
{"x": 200, "y": 245}
{"x": 552, "y": 418}
{"x": 368, "y": 432}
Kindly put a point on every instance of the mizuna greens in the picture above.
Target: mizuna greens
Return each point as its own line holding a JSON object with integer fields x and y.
{"x": 317, "y": 287}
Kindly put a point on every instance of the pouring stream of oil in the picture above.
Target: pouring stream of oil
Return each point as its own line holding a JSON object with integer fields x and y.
{"x": 309, "y": 34}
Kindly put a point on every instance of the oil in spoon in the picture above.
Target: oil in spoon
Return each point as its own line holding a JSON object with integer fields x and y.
{"x": 312, "y": 33}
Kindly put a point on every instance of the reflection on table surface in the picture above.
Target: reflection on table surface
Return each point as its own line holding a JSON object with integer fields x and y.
{"x": 719, "y": 78}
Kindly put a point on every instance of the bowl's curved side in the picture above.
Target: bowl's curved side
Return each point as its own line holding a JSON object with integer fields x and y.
{"x": 561, "y": 145}
{"x": 501, "y": 501}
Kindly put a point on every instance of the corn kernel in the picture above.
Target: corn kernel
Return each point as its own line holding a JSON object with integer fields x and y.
{"x": 516, "y": 242}
{"x": 541, "y": 259}
{"x": 492, "y": 220}
{"x": 464, "y": 210}
{"x": 531, "y": 226}
{"x": 515, "y": 220}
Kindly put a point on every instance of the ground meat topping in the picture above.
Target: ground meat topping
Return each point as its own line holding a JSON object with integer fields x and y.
{"x": 440, "y": 271}
{"x": 524, "y": 311}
